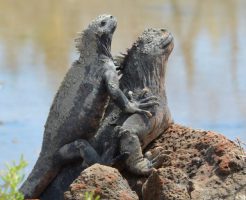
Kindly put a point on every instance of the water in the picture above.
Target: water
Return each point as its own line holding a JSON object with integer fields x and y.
{"x": 206, "y": 83}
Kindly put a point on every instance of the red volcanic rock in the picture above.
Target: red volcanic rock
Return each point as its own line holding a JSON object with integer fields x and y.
{"x": 103, "y": 181}
{"x": 199, "y": 165}
{"x": 203, "y": 165}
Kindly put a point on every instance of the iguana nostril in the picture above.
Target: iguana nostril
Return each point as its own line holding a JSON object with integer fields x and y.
{"x": 164, "y": 30}
{"x": 111, "y": 16}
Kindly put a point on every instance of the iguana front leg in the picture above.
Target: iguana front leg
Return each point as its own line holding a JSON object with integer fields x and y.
{"x": 112, "y": 83}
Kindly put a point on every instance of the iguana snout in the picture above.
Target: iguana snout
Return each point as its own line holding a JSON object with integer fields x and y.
{"x": 167, "y": 39}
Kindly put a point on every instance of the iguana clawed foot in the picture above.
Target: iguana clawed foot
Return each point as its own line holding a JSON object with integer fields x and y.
{"x": 139, "y": 106}
{"x": 159, "y": 157}
{"x": 87, "y": 152}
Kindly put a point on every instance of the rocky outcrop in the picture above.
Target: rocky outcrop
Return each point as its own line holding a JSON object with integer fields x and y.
{"x": 103, "y": 181}
{"x": 199, "y": 165}
{"x": 202, "y": 165}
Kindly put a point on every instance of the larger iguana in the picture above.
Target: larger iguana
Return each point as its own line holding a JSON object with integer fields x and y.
{"x": 143, "y": 66}
{"x": 79, "y": 104}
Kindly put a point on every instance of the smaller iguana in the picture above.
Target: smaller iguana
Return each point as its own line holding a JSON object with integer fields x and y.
{"x": 79, "y": 104}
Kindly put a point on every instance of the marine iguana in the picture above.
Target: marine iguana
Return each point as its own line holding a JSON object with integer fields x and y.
{"x": 79, "y": 104}
{"x": 143, "y": 66}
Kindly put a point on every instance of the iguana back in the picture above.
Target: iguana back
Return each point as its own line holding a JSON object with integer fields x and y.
{"x": 77, "y": 106}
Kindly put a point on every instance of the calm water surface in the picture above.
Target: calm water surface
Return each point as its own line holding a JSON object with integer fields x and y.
{"x": 206, "y": 84}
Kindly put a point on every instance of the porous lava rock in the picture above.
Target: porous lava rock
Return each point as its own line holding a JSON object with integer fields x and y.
{"x": 199, "y": 165}
{"x": 101, "y": 180}
{"x": 202, "y": 165}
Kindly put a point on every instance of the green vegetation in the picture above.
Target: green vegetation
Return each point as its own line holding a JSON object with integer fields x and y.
{"x": 11, "y": 179}
{"x": 90, "y": 196}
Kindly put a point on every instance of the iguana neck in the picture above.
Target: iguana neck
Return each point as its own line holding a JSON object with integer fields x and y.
{"x": 156, "y": 79}
{"x": 91, "y": 47}
{"x": 162, "y": 76}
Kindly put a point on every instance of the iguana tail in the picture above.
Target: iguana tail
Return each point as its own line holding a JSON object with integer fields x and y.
{"x": 41, "y": 176}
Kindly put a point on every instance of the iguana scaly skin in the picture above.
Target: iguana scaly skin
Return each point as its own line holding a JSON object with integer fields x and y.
{"x": 144, "y": 66}
{"x": 79, "y": 104}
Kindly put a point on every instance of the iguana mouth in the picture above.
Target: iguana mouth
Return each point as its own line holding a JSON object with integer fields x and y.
{"x": 168, "y": 40}
{"x": 113, "y": 29}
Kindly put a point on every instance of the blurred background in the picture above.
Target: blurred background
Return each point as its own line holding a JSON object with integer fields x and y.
{"x": 206, "y": 84}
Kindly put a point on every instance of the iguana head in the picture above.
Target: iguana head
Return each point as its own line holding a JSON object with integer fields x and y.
{"x": 145, "y": 63}
{"x": 103, "y": 25}
{"x": 98, "y": 35}
{"x": 155, "y": 42}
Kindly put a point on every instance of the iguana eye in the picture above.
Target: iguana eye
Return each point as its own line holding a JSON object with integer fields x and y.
{"x": 103, "y": 23}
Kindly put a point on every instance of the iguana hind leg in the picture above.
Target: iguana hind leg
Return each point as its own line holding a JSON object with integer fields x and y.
{"x": 130, "y": 133}
{"x": 136, "y": 163}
